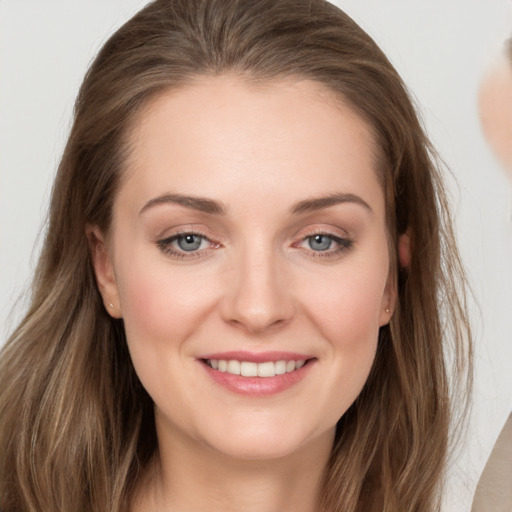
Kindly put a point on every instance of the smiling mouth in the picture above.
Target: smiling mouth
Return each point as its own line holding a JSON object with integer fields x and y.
{"x": 252, "y": 369}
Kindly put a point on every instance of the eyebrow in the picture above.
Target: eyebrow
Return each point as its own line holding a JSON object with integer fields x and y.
{"x": 320, "y": 203}
{"x": 195, "y": 203}
{"x": 213, "y": 207}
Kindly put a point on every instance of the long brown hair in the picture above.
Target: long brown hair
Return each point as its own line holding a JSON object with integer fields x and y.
{"x": 77, "y": 428}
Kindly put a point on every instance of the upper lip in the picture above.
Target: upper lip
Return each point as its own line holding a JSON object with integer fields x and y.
{"x": 257, "y": 357}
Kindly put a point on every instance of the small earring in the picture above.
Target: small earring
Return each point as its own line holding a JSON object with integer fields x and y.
{"x": 111, "y": 305}
{"x": 388, "y": 310}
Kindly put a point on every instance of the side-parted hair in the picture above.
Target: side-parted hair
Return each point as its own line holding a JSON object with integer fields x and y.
{"x": 77, "y": 428}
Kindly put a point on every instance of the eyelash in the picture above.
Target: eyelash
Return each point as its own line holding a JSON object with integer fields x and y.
{"x": 344, "y": 245}
{"x": 165, "y": 245}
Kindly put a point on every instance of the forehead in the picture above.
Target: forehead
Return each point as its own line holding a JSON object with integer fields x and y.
{"x": 223, "y": 134}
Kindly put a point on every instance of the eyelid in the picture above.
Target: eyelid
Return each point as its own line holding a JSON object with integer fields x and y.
{"x": 183, "y": 229}
{"x": 328, "y": 230}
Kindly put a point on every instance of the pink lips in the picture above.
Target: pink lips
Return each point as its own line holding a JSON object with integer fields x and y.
{"x": 258, "y": 386}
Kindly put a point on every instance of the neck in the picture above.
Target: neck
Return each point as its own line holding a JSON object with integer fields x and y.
{"x": 188, "y": 476}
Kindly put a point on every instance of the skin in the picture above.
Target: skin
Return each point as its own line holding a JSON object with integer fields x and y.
{"x": 495, "y": 108}
{"x": 255, "y": 284}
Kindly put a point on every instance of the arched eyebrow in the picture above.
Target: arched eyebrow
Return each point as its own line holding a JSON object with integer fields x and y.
{"x": 202, "y": 204}
{"x": 214, "y": 207}
{"x": 320, "y": 203}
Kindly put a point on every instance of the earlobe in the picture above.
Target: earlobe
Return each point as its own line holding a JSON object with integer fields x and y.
{"x": 104, "y": 271}
{"x": 388, "y": 301}
{"x": 391, "y": 292}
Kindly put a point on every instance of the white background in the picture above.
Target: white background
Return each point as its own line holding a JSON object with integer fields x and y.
{"x": 441, "y": 48}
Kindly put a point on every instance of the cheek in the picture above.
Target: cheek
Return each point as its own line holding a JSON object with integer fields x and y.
{"x": 347, "y": 305}
{"x": 347, "y": 317}
{"x": 161, "y": 306}
{"x": 162, "y": 310}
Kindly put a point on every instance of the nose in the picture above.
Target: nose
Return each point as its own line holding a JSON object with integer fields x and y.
{"x": 259, "y": 295}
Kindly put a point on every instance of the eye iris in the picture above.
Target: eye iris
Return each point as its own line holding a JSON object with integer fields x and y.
{"x": 320, "y": 242}
{"x": 189, "y": 242}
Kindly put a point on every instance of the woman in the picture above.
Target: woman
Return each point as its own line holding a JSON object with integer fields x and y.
{"x": 248, "y": 283}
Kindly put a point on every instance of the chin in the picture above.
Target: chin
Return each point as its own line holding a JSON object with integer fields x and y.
{"x": 265, "y": 443}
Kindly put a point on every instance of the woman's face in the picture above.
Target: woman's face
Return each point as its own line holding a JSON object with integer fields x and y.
{"x": 249, "y": 236}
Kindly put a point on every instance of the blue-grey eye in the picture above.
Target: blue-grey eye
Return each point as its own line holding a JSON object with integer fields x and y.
{"x": 320, "y": 242}
{"x": 189, "y": 242}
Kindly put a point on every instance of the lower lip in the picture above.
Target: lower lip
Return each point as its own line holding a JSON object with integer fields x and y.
{"x": 258, "y": 386}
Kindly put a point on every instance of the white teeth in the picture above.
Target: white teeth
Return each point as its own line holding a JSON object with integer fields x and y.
{"x": 250, "y": 369}
{"x": 280, "y": 367}
{"x": 234, "y": 367}
{"x": 266, "y": 369}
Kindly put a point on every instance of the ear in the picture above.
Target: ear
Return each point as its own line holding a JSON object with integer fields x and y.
{"x": 391, "y": 292}
{"x": 388, "y": 299}
{"x": 104, "y": 271}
